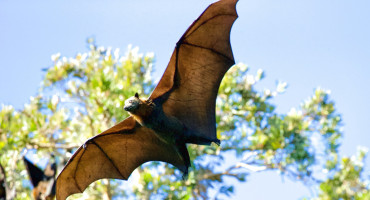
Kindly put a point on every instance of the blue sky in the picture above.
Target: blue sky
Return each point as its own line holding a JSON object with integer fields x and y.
{"x": 306, "y": 43}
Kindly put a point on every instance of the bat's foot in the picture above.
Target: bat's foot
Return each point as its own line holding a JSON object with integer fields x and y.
{"x": 197, "y": 138}
{"x": 202, "y": 140}
{"x": 185, "y": 175}
{"x": 217, "y": 141}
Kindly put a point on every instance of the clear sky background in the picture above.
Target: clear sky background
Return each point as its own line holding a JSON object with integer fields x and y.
{"x": 307, "y": 43}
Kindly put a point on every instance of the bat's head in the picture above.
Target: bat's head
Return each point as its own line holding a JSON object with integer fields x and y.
{"x": 132, "y": 103}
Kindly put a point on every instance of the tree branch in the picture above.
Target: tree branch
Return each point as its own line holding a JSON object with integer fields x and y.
{"x": 52, "y": 145}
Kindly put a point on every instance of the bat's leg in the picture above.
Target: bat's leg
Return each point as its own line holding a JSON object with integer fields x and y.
{"x": 183, "y": 150}
{"x": 197, "y": 139}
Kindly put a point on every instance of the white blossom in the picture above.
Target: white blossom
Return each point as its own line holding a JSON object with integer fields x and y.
{"x": 55, "y": 57}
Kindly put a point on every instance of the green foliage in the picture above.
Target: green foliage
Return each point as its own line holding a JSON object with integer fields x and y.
{"x": 346, "y": 181}
{"x": 84, "y": 95}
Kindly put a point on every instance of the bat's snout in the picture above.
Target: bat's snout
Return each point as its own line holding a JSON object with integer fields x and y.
{"x": 126, "y": 108}
{"x": 131, "y": 104}
{"x": 129, "y": 108}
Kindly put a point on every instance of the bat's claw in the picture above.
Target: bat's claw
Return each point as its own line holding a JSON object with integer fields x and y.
{"x": 218, "y": 142}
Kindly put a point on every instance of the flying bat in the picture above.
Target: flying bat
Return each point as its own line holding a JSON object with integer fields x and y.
{"x": 180, "y": 110}
{"x": 43, "y": 181}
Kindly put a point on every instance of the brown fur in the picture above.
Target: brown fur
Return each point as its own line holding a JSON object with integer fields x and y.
{"x": 39, "y": 192}
{"x": 144, "y": 110}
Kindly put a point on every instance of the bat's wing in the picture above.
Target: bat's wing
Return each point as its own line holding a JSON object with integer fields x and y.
{"x": 35, "y": 173}
{"x": 3, "y": 188}
{"x": 115, "y": 153}
{"x": 189, "y": 85}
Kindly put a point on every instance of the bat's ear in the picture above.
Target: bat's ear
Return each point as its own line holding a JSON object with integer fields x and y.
{"x": 136, "y": 95}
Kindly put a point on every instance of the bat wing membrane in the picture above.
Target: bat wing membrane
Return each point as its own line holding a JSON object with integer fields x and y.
{"x": 115, "y": 153}
{"x": 189, "y": 86}
{"x": 35, "y": 173}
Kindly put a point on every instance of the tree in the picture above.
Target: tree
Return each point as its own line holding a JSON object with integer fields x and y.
{"x": 83, "y": 95}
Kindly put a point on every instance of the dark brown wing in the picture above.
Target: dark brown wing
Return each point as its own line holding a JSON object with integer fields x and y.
{"x": 35, "y": 173}
{"x": 3, "y": 188}
{"x": 189, "y": 86}
{"x": 115, "y": 153}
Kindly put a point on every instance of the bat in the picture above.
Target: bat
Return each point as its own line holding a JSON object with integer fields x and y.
{"x": 180, "y": 110}
{"x": 3, "y": 189}
{"x": 43, "y": 181}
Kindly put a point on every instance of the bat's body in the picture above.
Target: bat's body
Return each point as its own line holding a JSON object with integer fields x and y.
{"x": 168, "y": 128}
{"x": 150, "y": 115}
{"x": 43, "y": 181}
{"x": 180, "y": 110}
